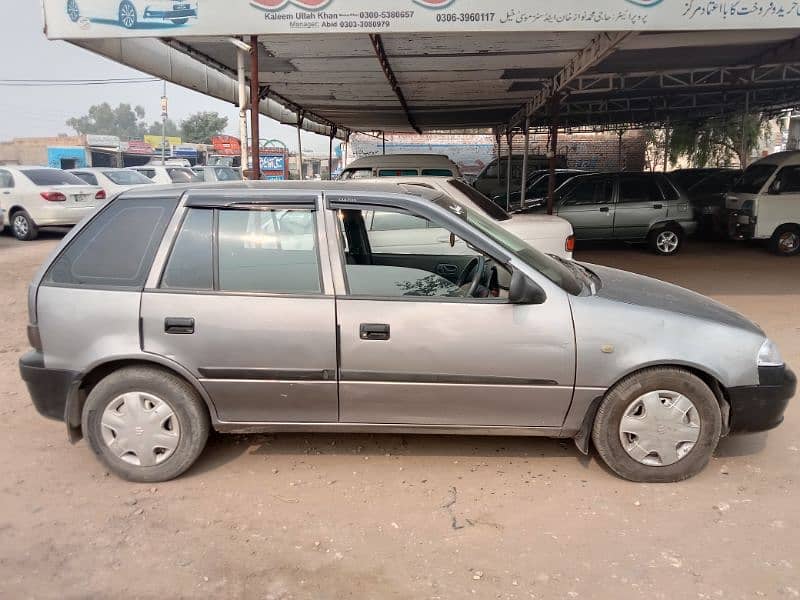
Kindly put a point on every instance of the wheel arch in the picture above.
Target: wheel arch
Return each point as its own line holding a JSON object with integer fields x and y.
{"x": 665, "y": 224}
{"x": 87, "y": 380}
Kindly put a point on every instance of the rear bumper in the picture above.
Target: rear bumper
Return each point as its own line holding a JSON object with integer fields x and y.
{"x": 49, "y": 388}
{"x": 58, "y": 215}
{"x": 761, "y": 407}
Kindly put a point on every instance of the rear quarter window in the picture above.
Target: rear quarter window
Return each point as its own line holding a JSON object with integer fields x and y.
{"x": 116, "y": 249}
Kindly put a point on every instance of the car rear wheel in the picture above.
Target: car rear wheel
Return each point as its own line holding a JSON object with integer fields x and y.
{"x": 73, "y": 12}
{"x": 658, "y": 425}
{"x": 145, "y": 424}
{"x": 127, "y": 15}
{"x": 786, "y": 240}
{"x": 182, "y": 21}
{"x": 666, "y": 241}
{"x": 23, "y": 227}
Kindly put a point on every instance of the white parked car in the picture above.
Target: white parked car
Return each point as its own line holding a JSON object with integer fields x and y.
{"x": 35, "y": 197}
{"x": 130, "y": 13}
{"x": 166, "y": 175}
{"x": 548, "y": 234}
{"x": 401, "y": 165}
{"x": 764, "y": 203}
{"x": 218, "y": 173}
{"x": 112, "y": 180}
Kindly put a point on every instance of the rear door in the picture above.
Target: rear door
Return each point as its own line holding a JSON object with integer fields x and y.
{"x": 244, "y": 303}
{"x": 589, "y": 206}
{"x": 639, "y": 205}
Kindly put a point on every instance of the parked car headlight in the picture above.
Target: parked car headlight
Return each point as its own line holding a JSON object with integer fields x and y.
{"x": 747, "y": 207}
{"x": 769, "y": 355}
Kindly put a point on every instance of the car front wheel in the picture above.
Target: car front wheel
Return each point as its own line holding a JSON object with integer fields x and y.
{"x": 73, "y": 12}
{"x": 145, "y": 424}
{"x": 786, "y": 240}
{"x": 127, "y": 15}
{"x": 23, "y": 227}
{"x": 666, "y": 241}
{"x": 658, "y": 425}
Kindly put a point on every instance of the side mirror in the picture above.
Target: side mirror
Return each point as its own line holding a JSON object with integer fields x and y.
{"x": 525, "y": 291}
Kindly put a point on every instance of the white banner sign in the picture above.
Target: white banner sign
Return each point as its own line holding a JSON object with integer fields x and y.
{"x": 76, "y": 19}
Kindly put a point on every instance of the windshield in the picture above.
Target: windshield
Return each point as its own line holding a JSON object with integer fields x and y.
{"x": 481, "y": 201}
{"x": 555, "y": 271}
{"x": 52, "y": 177}
{"x": 754, "y": 178}
{"x": 127, "y": 177}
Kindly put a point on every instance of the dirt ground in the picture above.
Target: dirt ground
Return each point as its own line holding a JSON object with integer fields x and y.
{"x": 390, "y": 516}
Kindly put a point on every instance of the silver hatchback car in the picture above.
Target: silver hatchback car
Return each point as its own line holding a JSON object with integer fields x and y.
{"x": 258, "y": 307}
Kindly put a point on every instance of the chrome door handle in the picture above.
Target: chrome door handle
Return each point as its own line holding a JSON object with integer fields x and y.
{"x": 604, "y": 209}
{"x": 374, "y": 331}
{"x": 658, "y": 206}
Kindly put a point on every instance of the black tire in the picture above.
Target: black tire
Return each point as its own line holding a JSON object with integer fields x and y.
{"x": 785, "y": 241}
{"x": 654, "y": 240}
{"x": 606, "y": 431}
{"x": 73, "y": 11}
{"x": 181, "y": 21}
{"x": 127, "y": 15}
{"x": 182, "y": 398}
{"x": 22, "y": 226}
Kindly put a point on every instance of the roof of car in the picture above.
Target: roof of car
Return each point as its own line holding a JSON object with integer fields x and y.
{"x": 401, "y": 160}
{"x": 781, "y": 158}
{"x": 28, "y": 167}
{"x": 350, "y": 186}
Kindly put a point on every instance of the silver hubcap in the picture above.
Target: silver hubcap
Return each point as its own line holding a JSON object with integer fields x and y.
{"x": 659, "y": 428}
{"x": 667, "y": 242}
{"x": 72, "y": 10}
{"x": 20, "y": 226}
{"x": 140, "y": 428}
{"x": 789, "y": 241}
{"x": 127, "y": 15}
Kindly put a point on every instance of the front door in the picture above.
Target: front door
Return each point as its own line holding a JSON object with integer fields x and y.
{"x": 415, "y": 348}
{"x": 241, "y": 305}
{"x": 589, "y": 206}
{"x": 639, "y": 204}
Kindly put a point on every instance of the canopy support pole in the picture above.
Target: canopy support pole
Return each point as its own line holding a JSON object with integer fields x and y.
{"x": 330, "y": 153}
{"x": 524, "y": 186}
{"x": 499, "y": 141}
{"x": 300, "y": 146}
{"x": 551, "y": 184}
{"x": 510, "y": 141}
{"x": 383, "y": 139}
{"x": 744, "y": 123}
{"x": 241, "y": 70}
{"x": 255, "y": 101}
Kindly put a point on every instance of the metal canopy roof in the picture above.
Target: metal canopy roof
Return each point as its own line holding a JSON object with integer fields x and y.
{"x": 413, "y": 74}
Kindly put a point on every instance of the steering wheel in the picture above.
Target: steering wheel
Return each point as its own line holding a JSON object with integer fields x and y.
{"x": 477, "y": 264}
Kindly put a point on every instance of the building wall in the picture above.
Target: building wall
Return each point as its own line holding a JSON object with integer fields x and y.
{"x": 33, "y": 151}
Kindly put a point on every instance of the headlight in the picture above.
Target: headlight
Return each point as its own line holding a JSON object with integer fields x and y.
{"x": 769, "y": 355}
{"x": 747, "y": 207}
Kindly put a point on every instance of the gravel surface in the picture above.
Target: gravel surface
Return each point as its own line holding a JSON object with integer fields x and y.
{"x": 403, "y": 516}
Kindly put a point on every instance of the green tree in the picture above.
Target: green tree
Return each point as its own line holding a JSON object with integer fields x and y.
{"x": 718, "y": 141}
{"x": 200, "y": 127}
{"x": 172, "y": 128}
{"x": 124, "y": 121}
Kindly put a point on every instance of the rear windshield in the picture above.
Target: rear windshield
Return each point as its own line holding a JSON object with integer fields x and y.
{"x": 183, "y": 175}
{"x": 127, "y": 177}
{"x": 357, "y": 174}
{"x": 486, "y": 205}
{"x": 754, "y": 178}
{"x": 52, "y": 177}
{"x": 398, "y": 173}
{"x": 227, "y": 174}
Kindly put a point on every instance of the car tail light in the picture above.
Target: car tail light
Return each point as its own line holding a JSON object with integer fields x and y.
{"x": 54, "y": 196}
{"x": 569, "y": 246}
{"x": 101, "y": 195}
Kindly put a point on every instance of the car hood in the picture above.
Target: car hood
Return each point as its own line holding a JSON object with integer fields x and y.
{"x": 638, "y": 290}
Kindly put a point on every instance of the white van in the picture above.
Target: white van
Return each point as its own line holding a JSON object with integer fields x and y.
{"x": 764, "y": 204}
{"x": 401, "y": 165}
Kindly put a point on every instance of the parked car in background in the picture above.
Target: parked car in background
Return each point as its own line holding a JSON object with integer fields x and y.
{"x": 708, "y": 200}
{"x": 548, "y": 234}
{"x": 634, "y": 207}
{"x": 537, "y": 189}
{"x": 686, "y": 178}
{"x": 206, "y": 323}
{"x": 401, "y": 165}
{"x": 168, "y": 174}
{"x": 112, "y": 180}
{"x": 764, "y": 204}
{"x": 492, "y": 180}
{"x": 35, "y": 197}
{"x": 218, "y": 173}
{"x": 131, "y": 13}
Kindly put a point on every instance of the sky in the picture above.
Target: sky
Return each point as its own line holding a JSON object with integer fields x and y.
{"x": 43, "y": 111}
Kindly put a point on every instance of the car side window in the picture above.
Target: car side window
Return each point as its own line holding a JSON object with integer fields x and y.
{"x": 150, "y": 173}
{"x": 638, "y": 189}
{"x": 790, "y": 180}
{"x": 668, "y": 190}
{"x": 116, "y": 249}
{"x": 87, "y": 177}
{"x": 588, "y": 192}
{"x": 268, "y": 251}
{"x": 190, "y": 265}
{"x": 6, "y": 179}
{"x": 391, "y": 221}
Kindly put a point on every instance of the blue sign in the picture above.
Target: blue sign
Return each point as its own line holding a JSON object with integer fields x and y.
{"x": 70, "y": 157}
{"x": 273, "y": 162}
